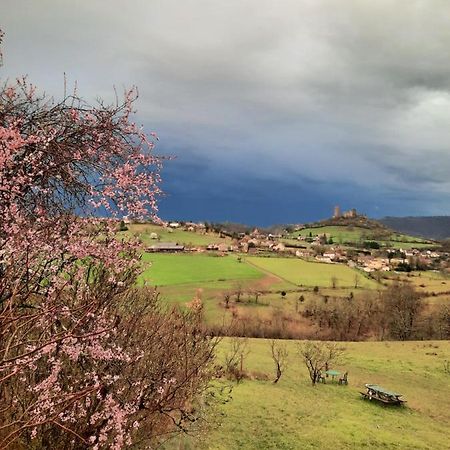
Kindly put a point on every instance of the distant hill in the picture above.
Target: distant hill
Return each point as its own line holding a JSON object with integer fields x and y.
{"x": 433, "y": 227}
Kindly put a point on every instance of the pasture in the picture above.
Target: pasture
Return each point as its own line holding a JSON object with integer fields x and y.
{"x": 435, "y": 286}
{"x": 188, "y": 238}
{"x": 356, "y": 235}
{"x": 310, "y": 274}
{"x": 197, "y": 269}
{"x": 341, "y": 234}
{"x": 425, "y": 282}
{"x": 178, "y": 277}
{"x": 294, "y": 415}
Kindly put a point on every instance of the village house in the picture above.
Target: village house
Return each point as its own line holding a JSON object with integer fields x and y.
{"x": 243, "y": 246}
{"x": 396, "y": 261}
{"x": 222, "y": 247}
{"x": 370, "y": 263}
{"x": 280, "y": 247}
{"x": 192, "y": 226}
{"x": 376, "y": 264}
{"x": 324, "y": 259}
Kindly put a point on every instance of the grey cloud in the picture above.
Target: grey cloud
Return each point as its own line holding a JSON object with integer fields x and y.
{"x": 324, "y": 89}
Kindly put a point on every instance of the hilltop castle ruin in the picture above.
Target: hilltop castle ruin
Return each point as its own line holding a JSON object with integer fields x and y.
{"x": 351, "y": 213}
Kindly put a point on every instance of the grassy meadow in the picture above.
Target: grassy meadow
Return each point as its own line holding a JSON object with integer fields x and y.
{"x": 294, "y": 415}
{"x": 435, "y": 286}
{"x": 425, "y": 281}
{"x": 310, "y": 274}
{"x": 180, "y": 276}
{"x": 198, "y": 269}
{"x": 341, "y": 234}
{"x": 188, "y": 238}
{"x": 355, "y": 234}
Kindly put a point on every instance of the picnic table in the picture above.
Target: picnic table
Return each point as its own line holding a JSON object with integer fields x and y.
{"x": 382, "y": 395}
{"x": 332, "y": 373}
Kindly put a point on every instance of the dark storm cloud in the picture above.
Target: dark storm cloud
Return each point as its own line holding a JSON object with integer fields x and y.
{"x": 319, "y": 93}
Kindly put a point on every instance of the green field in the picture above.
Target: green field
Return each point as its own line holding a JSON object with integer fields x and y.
{"x": 355, "y": 235}
{"x": 424, "y": 281}
{"x": 407, "y": 245}
{"x": 294, "y": 415}
{"x": 179, "y": 276}
{"x": 190, "y": 238}
{"x": 305, "y": 273}
{"x": 341, "y": 234}
{"x": 435, "y": 286}
{"x": 198, "y": 269}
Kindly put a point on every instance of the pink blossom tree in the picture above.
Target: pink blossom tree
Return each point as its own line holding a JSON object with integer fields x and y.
{"x": 75, "y": 368}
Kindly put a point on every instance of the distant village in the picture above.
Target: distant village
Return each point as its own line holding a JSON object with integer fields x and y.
{"x": 367, "y": 256}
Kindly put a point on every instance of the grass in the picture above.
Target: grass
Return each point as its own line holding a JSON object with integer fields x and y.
{"x": 355, "y": 234}
{"x": 407, "y": 245}
{"x": 434, "y": 285}
{"x": 424, "y": 281}
{"x": 190, "y": 238}
{"x": 295, "y": 415}
{"x": 179, "y": 276}
{"x": 305, "y": 273}
{"x": 340, "y": 234}
{"x": 176, "y": 269}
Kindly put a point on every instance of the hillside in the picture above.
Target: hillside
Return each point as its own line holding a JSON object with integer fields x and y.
{"x": 294, "y": 415}
{"x": 351, "y": 234}
{"x": 432, "y": 227}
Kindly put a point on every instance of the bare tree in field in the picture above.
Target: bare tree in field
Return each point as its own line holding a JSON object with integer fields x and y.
{"x": 279, "y": 354}
{"x": 443, "y": 321}
{"x": 334, "y": 282}
{"x": 226, "y": 299}
{"x": 401, "y": 306}
{"x": 357, "y": 278}
{"x": 238, "y": 291}
{"x": 234, "y": 358}
{"x": 318, "y": 356}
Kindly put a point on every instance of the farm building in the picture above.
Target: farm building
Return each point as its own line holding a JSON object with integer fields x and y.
{"x": 166, "y": 247}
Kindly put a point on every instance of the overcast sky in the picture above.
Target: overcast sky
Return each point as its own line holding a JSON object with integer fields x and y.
{"x": 276, "y": 110}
